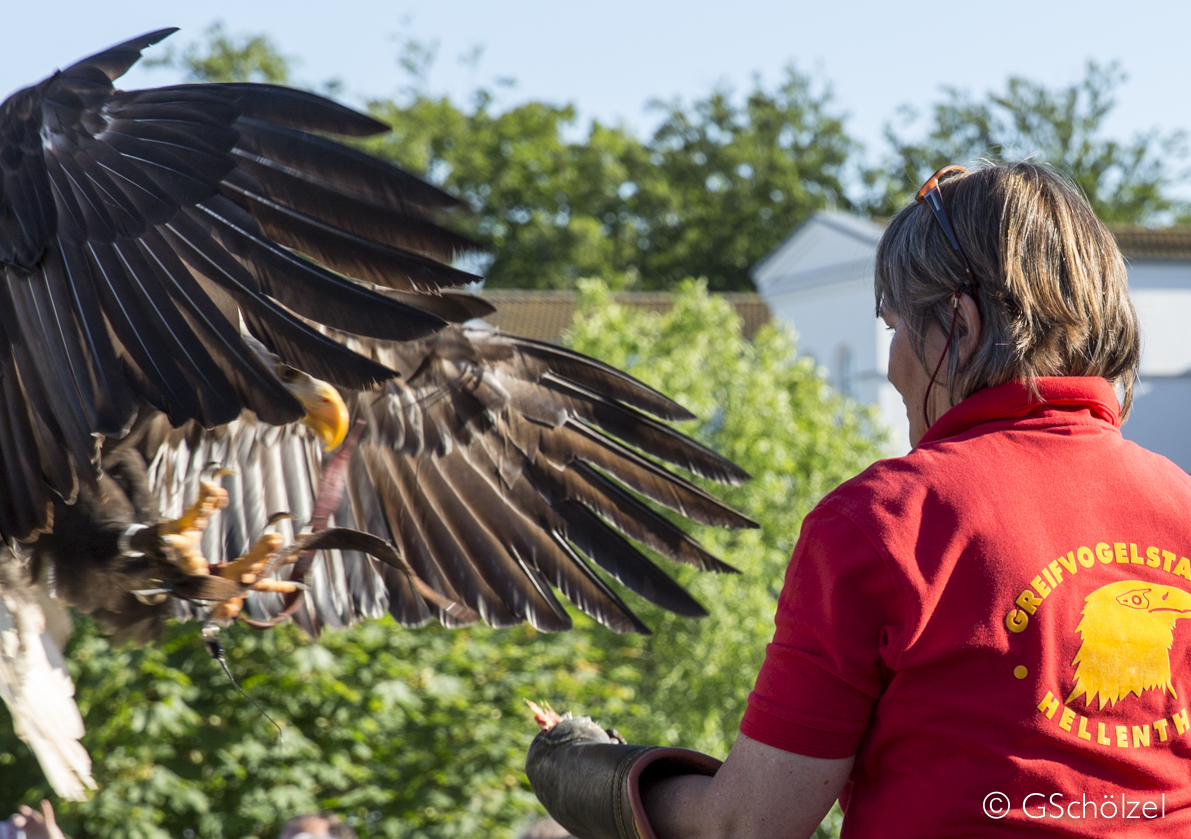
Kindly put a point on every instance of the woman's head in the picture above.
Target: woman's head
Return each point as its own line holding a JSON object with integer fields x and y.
{"x": 1050, "y": 282}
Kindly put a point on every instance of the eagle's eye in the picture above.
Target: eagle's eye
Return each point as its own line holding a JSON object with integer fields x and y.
{"x": 1135, "y": 599}
{"x": 286, "y": 374}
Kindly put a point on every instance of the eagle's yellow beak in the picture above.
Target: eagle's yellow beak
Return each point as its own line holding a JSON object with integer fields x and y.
{"x": 325, "y": 413}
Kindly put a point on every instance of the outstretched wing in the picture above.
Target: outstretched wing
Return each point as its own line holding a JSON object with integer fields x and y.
{"x": 502, "y": 469}
{"x": 141, "y": 231}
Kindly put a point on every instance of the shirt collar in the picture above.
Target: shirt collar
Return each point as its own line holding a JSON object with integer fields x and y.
{"x": 1013, "y": 399}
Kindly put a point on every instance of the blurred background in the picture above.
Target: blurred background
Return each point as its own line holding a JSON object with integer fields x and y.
{"x": 692, "y": 192}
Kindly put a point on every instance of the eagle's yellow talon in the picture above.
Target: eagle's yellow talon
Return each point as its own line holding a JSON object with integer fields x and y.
{"x": 256, "y": 559}
{"x": 183, "y": 552}
{"x": 210, "y": 499}
{"x": 182, "y": 537}
{"x": 228, "y": 609}
{"x": 276, "y": 586}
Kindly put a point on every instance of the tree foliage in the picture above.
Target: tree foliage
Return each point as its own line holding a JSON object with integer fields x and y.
{"x": 717, "y": 185}
{"x": 227, "y": 58}
{"x": 1064, "y": 127}
{"x": 423, "y": 732}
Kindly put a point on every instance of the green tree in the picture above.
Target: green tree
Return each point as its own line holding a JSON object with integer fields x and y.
{"x": 227, "y": 58}
{"x": 727, "y": 180}
{"x": 1064, "y": 127}
{"x": 423, "y": 732}
{"x": 718, "y": 184}
{"x": 539, "y": 202}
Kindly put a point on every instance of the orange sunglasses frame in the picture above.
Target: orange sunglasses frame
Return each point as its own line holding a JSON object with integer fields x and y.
{"x": 932, "y": 196}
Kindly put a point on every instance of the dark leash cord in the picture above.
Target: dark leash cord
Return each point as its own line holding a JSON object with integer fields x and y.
{"x": 946, "y": 347}
{"x": 210, "y": 634}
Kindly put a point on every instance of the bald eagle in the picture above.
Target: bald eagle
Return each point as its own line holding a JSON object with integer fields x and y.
{"x": 202, "y": 293}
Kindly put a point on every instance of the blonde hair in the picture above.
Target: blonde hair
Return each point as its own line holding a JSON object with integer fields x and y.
{"x": 1050, "y": 281}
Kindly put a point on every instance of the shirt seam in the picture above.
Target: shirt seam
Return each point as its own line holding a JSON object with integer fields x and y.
{"x": 899, "y": 584}
{"x": 825, "y": 726}
{"x": 1043, "y": 424}
{"x": 1018, "y": 407}
{"x": 797, "y": 742}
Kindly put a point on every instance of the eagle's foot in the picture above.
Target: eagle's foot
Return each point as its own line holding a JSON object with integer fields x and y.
{"x": 248, "y": 567}
{"x": 546, "y": 717}
{"x": 181, "y": 539}
{"x": 247, "y": 570}
{"x": 211, "y": 498}
{"x": 228, "y": 609}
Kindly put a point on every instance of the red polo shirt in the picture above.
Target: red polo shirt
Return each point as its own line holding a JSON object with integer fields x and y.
{"x": 1005, "y": 610}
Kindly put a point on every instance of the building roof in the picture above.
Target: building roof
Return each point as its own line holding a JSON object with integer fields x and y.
{"x": 833, "y": 247}
{"x": 1151, "y": 243}
{"x": 848, "y": 224}
{"x": 828, "y": 248}
{"x": 546, "y": 315}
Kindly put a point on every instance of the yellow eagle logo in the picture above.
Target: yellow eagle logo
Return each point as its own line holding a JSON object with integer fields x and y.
{"x": 1127, "y": 629}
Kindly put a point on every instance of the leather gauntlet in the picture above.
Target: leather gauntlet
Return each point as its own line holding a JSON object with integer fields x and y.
{"x": 591, "y": 781}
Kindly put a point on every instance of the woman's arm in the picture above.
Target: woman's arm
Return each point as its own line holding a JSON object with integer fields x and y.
{"x": 759, "y": 792}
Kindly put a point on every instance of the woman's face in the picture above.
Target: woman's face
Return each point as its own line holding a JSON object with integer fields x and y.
{"x": 908, "y": 375}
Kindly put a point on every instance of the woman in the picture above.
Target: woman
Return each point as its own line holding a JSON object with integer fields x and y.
{"x": 982, "y": 637}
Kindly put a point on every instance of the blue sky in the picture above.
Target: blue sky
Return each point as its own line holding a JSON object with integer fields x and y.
{"x": 609, "y": 58}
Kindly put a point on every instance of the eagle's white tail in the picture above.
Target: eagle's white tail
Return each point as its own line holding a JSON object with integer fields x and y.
{"x": 35, "y": 684}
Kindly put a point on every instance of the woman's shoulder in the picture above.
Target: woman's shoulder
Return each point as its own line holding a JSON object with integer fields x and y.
{"x": 896, "y": 492}
{"x": 891, "y": 477}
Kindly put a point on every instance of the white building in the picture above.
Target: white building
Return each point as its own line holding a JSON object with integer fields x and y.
{"x": 820, "y": 282}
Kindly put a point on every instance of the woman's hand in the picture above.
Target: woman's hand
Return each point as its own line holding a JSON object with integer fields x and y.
{"x": 34, "y": 824}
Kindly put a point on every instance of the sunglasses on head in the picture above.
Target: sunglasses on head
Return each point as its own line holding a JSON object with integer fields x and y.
{"x": 932, "y": 196}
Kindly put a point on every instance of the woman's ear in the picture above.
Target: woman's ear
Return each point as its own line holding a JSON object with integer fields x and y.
{"x": 968, "y": 315}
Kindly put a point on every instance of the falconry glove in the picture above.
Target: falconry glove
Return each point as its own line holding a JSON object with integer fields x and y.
{"x": 592, "y": 782}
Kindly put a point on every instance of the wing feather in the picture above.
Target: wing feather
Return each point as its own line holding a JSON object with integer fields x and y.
{"x": 57, "y": 363}
{"x": 259, "y": 182}
{"x": 537, "y": 357}
{"x": 298, "y": 344}
{"x": 263, "y": 393}
{"x": 115, "y": 406}
{"x": 135, "y": 278}
{"x": 350, "y": 253}
{"x": 309, "y": 289}
{"x": 115, "y": 61}
{"x": 337, "y": 167}
{"x": 25, "y": 505}
{"x": 139, "y": 337}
